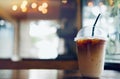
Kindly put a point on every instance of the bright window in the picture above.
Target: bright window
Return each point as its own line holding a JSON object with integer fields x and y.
{"x": 109, "y": 21}
{"x": 6, "y": 39}
{"x": 38, "y": 39}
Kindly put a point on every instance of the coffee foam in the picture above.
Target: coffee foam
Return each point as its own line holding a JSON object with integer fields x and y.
{"x": 95, "y": 37}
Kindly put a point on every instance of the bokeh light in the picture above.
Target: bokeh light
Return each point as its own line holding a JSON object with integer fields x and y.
{"x": 44, "y": 11}
{"x": 40, "y": 8}
{"x": 24, "y": 9}
{"x": 34, "y": 5}
{"x": 25, "y": 2}
{"x": 14, "y": 7}
{"x": 44, "y": 5}
{"x": 64, "y": 1}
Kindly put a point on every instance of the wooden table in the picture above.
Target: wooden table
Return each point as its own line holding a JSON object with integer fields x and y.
{"x": 107, "y": 74}
{"x": 55, "y": 64}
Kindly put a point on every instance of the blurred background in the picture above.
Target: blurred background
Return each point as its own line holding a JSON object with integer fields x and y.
{"x": 45, "y": 29}
{"x": 29, "y": 27}
{"x": 32, "y": 27}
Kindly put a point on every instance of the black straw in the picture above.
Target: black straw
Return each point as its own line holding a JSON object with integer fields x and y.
{"x": 95, "y": 24}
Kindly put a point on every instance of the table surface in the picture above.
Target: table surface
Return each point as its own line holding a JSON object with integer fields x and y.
{"x": 52, "y": 74}
{"x": 107, "y": 74}
{"x": 45, "y": 69}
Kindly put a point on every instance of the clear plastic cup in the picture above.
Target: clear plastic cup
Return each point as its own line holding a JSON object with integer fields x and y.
{"x": 91, "y": 51}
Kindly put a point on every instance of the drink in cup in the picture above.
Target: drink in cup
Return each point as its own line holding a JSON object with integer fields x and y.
{"x": 91, "y": 52}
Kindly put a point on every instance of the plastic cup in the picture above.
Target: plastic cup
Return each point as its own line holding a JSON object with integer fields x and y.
{"x": 91, "y": 51}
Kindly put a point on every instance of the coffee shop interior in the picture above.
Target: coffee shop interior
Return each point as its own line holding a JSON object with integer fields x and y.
{"x": 37, "y": 37}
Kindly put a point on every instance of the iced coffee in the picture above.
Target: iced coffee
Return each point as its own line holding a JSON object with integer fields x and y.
{"x": 91, "y": 56}
{"x": 91, "y": 52}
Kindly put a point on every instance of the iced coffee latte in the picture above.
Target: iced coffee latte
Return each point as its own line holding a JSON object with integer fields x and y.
{"x": 91, "y": 56}
{"x": 91, "y": 51}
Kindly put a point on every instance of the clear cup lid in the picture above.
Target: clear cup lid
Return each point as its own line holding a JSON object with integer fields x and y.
{"x": 86, "y": 32}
